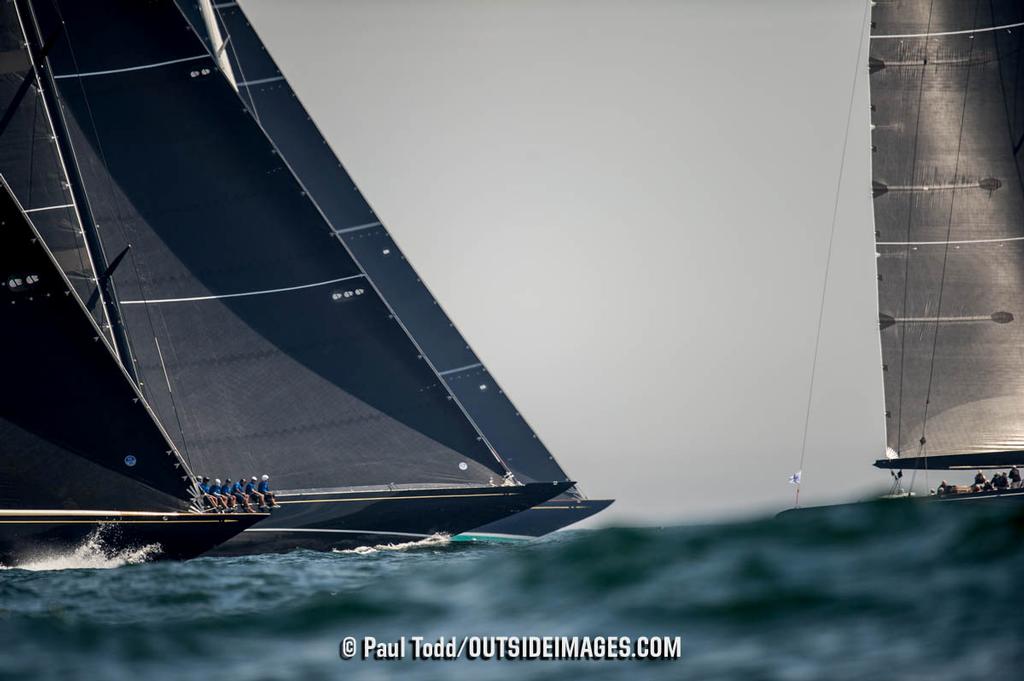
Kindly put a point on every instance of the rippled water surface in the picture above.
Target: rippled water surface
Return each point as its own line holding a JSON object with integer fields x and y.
{"x": 873, "y": 591}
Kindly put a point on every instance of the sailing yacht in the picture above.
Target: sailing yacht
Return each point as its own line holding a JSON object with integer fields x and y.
{"x": 947, "y": 113}
{"x": 266, "y": 94}
{"x": 257, "y": 338}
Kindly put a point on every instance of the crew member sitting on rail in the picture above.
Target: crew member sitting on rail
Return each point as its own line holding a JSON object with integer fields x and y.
{"x": 980, "y": 480}
{"x": 243, "y": 499}
{"x": 204, "y": 489}
{"x": 264, "y": 489}
{"x": 225, "y": 495}
{"x": 250, "y": 491}
{"x": 214, "y": 490}
{"x": 1000, "y": 482}
{"x": 1014, "y": 478}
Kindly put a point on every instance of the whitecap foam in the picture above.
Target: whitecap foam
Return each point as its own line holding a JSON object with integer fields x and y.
{"x": 432, "y": 540}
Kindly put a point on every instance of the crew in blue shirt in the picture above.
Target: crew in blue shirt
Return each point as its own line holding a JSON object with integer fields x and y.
{"x": 264, "y": 489}
{"x": 252, "y": 494}
{"x": 206, "y": 496}
{"x": 225, "y": 494}
{"x": 239, "y": 493}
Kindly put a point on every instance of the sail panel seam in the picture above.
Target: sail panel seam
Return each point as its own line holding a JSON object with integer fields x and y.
{"x": 259, "y": 81}
{"x": 997, "y": 240}
{"x": 945, "y": 33}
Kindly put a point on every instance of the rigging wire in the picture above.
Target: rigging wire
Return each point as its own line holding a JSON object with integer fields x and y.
{"x": 903, "y": 331}
{"x": 831, "y": 239}
{"x": 949, "y": 230}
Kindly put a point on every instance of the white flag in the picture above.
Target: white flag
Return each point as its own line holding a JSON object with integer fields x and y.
{"x": 795, "y": 478}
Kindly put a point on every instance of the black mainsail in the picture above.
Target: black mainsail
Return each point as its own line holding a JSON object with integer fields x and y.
{"x": 257, "y": 338}
{"x": 271, "y": 100}
{"x": 274, "y": 104}
{"x": 947, "y": 99}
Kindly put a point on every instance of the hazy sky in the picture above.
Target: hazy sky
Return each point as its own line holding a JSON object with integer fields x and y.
{"x": 625, "y": 207}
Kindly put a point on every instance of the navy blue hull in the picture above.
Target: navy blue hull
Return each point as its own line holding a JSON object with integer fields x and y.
{"x": 346, "y": 520}
{"x": 1013, "y": 497}
{"x": 542, "y": 519}
{"x": 27, "y": 535}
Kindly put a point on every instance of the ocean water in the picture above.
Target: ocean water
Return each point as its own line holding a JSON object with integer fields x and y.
{"x": 873, "y": 591}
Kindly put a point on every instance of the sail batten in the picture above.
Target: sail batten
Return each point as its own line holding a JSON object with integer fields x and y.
{"x": 947, "y": 99}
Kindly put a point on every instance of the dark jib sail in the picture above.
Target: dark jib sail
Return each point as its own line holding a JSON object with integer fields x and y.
{"x": 75, "y": 433}
{"x": 81, "y": 454}
{"x": 947, "y": 100}
{"x": 260, "y": 343}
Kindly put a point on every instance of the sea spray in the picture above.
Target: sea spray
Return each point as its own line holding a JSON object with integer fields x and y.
{"x": 92, "y": 554}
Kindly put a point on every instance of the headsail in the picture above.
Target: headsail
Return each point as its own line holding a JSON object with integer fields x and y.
{"x": 274, "y": 104}
{"x": 947, "y": 98}
{"x": 260, "y": 343}
{"x": 74, "y": 431}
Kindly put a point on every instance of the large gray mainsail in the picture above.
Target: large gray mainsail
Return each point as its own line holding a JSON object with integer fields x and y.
{"x": 259, "y": 342}
{"x": 271, "y": 100}
{"x": 947, "y": 99}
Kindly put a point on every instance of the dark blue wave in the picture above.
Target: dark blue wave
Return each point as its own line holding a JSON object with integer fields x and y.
{"x": 889, "y": 590}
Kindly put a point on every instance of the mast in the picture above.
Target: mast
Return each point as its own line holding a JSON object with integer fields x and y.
{"x": 217, "y": 42}
{"x": 37, "y": 48}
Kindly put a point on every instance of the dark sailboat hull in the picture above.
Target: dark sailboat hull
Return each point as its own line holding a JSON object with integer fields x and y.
{"x": 542, "y": 519}
{"x": 30, "y": 535}
{"x": 346, "y": 520}
{"x": 1009, "y": 498}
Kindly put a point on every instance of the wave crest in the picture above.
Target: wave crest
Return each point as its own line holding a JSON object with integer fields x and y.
{"x": 433, "y": 540}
